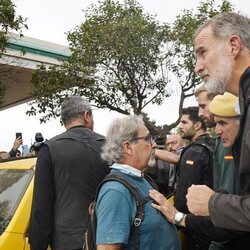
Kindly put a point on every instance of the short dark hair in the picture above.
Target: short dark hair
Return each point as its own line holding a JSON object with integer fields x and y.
{"x": 193, "y": 114}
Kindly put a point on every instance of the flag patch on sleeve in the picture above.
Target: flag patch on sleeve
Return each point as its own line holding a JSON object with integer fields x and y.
{"x": 189, "y": 162}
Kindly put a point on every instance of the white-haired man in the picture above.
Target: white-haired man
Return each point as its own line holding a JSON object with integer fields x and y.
{"x": 130, "y": 148}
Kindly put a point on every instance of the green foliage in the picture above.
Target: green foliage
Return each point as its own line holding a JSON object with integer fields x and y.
{"x": 122, "y": 59}
{"x": 9, "y": 21}
{"x": 182, "y": 32}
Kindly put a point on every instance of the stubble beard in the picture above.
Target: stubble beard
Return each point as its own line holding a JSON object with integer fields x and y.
{"x": 210, "y": 123}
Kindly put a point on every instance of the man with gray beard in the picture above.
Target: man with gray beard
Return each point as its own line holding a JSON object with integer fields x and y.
{"x": 130, "y": 149}
{"x": 222, "y": 48}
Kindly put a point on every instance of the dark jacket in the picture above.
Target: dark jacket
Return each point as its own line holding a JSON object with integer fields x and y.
{"x": 68, "y": 172}
{"x": 229, "y": 240}
{"x": 232, "y": 211}
{"x": 241, "y": 147}
{"x": 195, "y": 167}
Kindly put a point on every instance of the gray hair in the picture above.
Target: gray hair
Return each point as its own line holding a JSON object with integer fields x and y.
{"x": 121, "y": 130}
{"x": 226, "y": 24}
{"x": 73, "y": 108}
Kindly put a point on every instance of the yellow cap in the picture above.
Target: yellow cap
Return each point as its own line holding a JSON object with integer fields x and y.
{"x": 224, "y": 105}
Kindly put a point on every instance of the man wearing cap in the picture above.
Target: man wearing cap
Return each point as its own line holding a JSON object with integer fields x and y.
{"x": 227, "y": 125}
{"x": 224, "y": 170}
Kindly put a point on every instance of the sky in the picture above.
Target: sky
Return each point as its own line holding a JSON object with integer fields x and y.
{"x": 49, "y": 20}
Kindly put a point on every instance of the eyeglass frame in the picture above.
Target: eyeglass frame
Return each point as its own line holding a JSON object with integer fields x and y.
{"x": 149, "y": 138}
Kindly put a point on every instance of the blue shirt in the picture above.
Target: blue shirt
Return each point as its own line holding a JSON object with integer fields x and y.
{"x": 116, "y": 210}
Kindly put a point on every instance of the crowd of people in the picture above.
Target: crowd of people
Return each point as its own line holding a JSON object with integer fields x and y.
{"x": 209, "y": 177}
{"x": 23, "y": 150}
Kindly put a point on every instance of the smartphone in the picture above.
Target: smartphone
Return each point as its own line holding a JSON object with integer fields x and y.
{"x": 25, "y": 150}
{"x": 19, "y": 135}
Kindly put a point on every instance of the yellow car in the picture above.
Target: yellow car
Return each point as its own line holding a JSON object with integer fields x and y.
{"x": 16, "y": 188}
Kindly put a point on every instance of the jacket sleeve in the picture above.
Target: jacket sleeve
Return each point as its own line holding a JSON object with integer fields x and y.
{"x": 40, "y": 229}
{"x": 12, "y": 153}
{"x": 230, "y": 211}
{"x": 203, "y": 225}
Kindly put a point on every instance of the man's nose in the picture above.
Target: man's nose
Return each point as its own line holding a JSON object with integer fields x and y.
{"x": 199, "y": 67}
{"x": 218, "y": 130}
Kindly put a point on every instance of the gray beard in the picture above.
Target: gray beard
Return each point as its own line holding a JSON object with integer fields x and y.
{"x": 221, "y": 78}
{"x": 214, "y": 86}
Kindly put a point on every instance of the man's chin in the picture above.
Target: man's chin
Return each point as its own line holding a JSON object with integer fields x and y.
{"x": 214, "y": 87}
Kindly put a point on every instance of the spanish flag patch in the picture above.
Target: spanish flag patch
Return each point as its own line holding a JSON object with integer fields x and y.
{"x": 228, "y": 157}
{"x": 189, "y": 162}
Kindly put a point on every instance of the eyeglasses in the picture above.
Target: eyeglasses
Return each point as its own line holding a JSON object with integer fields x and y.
{"x": 149, "y": 138}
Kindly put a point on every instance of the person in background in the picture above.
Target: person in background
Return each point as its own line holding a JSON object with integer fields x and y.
{"x": 18, "y": 153}
{"x": 174, "y": 144}
{"x": 223, "y": 160}
{"x": 69, "y": 169}
{"x": 17, "y": 143}
{"x": 131, "y": 153}
{"x": 160, "y": 171}
{"x": 222, "y": 49}
{"x": 224, "y": 169}
{"x": 204, "y": 99}
{"x": 4, "y": 155}
{"x": 163, "y": 173}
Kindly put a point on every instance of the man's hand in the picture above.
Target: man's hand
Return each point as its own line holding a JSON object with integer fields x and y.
{"x": 197, "y": 199}
{"x": 163, "y": 205}
{"x": 17, "y": 143}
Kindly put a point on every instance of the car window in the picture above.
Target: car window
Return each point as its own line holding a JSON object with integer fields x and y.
{"x": 13, "y": 184}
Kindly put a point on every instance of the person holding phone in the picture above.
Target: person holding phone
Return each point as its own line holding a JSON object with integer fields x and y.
{"x": 17, "y": 143}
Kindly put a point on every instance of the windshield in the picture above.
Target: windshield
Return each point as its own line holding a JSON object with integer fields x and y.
{"x": 13, "y": 184}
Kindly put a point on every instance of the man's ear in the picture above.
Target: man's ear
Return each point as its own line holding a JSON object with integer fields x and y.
{"x": 235, "y": 45}
{"x": 87, "y": 117}
{"x": 127, "y": 147}
{"x": 197, "y": 126}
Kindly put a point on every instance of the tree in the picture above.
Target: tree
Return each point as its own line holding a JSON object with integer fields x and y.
{"x": 123, "y": 59}
{"x": 9, "y": 21}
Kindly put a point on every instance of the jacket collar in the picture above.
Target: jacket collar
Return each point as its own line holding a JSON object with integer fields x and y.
{"x": 244, "y": 95}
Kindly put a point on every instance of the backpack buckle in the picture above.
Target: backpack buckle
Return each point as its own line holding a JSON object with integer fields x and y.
{"x": 137, "y": 222}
